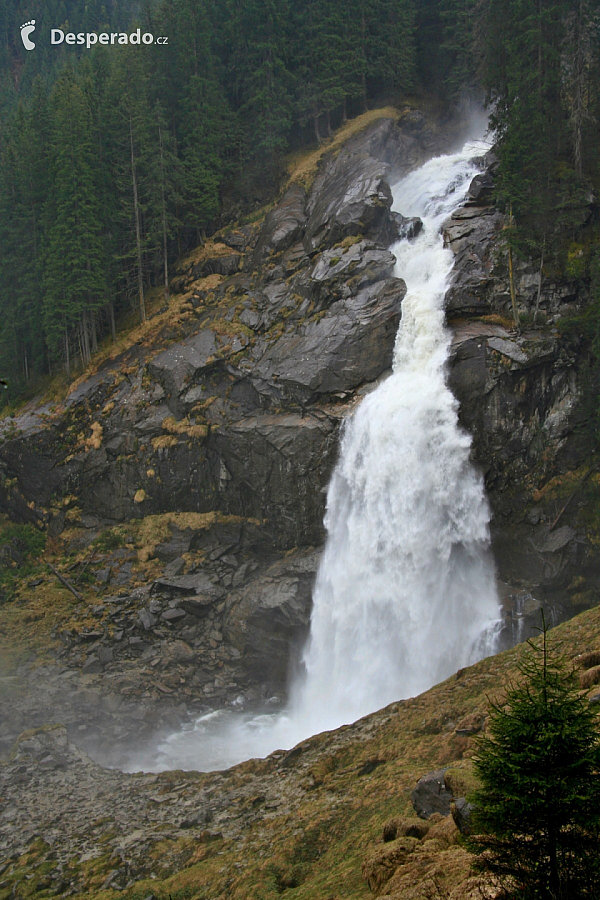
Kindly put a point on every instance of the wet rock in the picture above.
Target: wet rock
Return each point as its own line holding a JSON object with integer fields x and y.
{"x": 471, "y": 235}
{"x": 147, "y": 619}
{"x": 268, "y": 620}
{"x": 462, "y": 812}
{"x": 279, "y": 467}
{"x": 174, "y": 568}
{"x": 431, "y": 795}
{"x": 173, "y": 615}
{"x": 405, "y": 227}
{"x": 347, "y": 201}
{"x": 92, "y": 665}
{"x": 284, "y": 225}
{"x": 481, "y": 187}
{"x": 175, "y": 367}
{"x": 341, "y": 271}
{"x": 351, "y": 344}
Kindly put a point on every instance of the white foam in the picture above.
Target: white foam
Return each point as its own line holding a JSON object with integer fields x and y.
{"x": 405, "y": 593}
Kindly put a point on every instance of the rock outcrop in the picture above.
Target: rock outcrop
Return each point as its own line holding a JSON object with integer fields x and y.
{"x": 234, "y": 408}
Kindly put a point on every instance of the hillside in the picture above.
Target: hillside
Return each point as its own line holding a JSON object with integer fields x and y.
{"x": 308, "y": 821}
{"x": 182, "y": 483}
{"x": 163, "y": 526}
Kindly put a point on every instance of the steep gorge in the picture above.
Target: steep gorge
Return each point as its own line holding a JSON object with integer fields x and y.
{"x": 205, "y": 456}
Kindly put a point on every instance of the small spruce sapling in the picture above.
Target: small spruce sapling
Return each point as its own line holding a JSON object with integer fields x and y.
{"x": 536, "y": 820}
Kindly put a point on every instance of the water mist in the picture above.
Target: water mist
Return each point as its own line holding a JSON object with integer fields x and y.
{"x": 405, "y": 592}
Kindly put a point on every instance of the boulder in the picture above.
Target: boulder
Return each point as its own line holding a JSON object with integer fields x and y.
{"x": 462, "y": 814}
{"x": 348, "y": 346}
{"x": 268, "y": 620}
{"x": 225, "y": 265}
{"x": 340, "y": 272}
{"x": 431, "y": 795}
{"x": 174, "y": 368}
{"x": 471, "y": 234}
{"x": 349, "y": 200}
{"x": 481, "y": 187}
{"x": 405, "y": 227}
{"x": 284, "y": 225}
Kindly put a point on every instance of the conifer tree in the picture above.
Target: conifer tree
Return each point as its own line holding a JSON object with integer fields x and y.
{"x": 521, "y": 64}
{"x": 74, "y": 265}
{"x": 536, "y": 817}
{"x": 129, "y": 119}
{"x": 23, "y": 189}
{"x": 255, "y": 35}
{"x": 165, "y": 176}
{"x": 390, "y": 35}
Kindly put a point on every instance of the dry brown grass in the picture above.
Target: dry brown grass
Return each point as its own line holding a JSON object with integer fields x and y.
{"x": 164, "y": 441}
{"x": 210, "y": 249}
{"x": 94, "y": 442}
{"x": 184, "y": 426}
{"x": 587, "y": 660}
{"x": 303, "y": 165}
{"x": 153, "y": 530}
{"x": 590, "y": 677}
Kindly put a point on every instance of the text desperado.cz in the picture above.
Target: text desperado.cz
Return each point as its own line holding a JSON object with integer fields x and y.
{"x": 89, "y": 38}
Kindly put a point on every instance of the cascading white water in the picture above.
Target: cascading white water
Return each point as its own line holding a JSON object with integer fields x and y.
{"x": 405, "y": 593}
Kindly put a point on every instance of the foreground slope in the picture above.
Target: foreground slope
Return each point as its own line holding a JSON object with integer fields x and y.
{"x": 309, "y": 820}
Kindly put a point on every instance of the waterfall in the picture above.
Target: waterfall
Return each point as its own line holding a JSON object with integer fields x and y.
{"x": 405, "y": 593}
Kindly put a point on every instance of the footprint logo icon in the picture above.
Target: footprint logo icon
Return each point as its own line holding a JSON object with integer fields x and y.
{"x": 26, "y": 29}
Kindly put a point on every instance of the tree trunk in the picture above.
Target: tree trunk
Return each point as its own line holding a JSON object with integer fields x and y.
{"x": 164, "y": 214}
{"x": 328, "y": 122}
{"x": 138, "y": 235}
{"x": 67, "y": 356}
{"x": 166, "y": 259}
{"x": 111, "y": 319}
{"x": 539, "y": 290}
{"x": 344, "y": 112}
{"x": 513, "y": 296}
{"x": 94, "y": 331}
{"x": 511, "y": 280}
{"x": 84, "y": 339}
{"x": 317, "y": 132}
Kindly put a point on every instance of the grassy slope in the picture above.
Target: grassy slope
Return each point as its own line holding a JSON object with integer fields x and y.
{"x": 317, "y": 849}
{"x": 328, "y": 813}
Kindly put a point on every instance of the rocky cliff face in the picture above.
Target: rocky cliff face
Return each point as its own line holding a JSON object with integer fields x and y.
{"x": 206, "y": 456}
{"x": 520, "y": 394}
